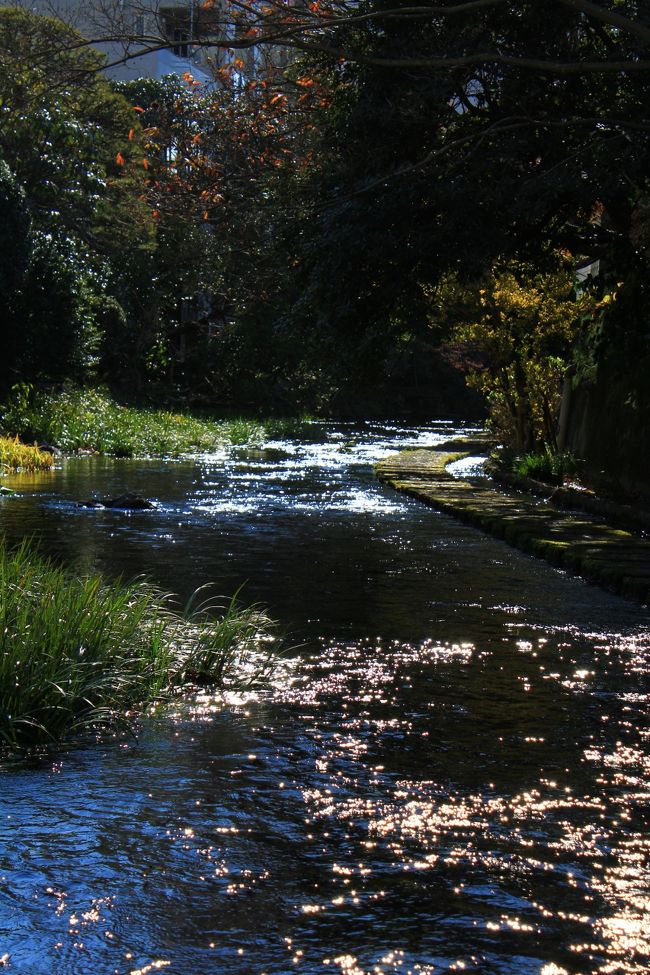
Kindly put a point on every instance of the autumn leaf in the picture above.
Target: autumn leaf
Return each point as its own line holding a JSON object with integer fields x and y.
{"x": 138, "y": 108}
{"x": 131, "y": 134}
{"x": 119, "y": 159}
{"x": 145, "y": 164}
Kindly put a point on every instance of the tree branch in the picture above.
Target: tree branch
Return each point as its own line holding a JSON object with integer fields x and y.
{"x": 607, "y": 16}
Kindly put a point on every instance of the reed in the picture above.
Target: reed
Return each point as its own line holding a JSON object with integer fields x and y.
{"x": 17, "y": 456}
{"x": 80, "y": 655}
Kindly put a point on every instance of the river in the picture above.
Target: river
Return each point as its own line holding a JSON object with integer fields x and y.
{"x": 452, "y": 773}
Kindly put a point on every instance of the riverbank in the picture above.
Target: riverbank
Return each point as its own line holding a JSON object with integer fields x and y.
{"x": 92, "y": 421}
{"x": 604, "y": 545}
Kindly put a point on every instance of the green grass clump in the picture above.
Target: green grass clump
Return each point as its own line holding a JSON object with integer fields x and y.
{"x": 91, "y": 420}
{"x": 17, "y": 456}
{"x": 546, "y": 465}
{"x": 79, "y": 655}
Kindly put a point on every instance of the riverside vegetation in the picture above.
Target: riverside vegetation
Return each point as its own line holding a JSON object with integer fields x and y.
{"x": 123, "y": 647}
{"x": 17, "y": 456}
{"x": 90, "y": 419}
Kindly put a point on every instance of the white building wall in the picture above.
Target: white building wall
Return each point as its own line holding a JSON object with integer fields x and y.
{"x": 127, "y": 58}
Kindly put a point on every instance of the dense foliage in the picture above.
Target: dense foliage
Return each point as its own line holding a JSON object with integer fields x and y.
{"x": 67, "y": 204}
{"x": 276, "y": 239}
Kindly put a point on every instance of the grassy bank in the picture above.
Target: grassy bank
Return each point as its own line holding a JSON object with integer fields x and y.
{"x": 120, "y": 648}
{"x": 91, "y": 420}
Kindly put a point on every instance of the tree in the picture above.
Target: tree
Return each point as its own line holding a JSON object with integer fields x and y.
{"x": 324, "y": 28}
{"x": 518, "y": 331}
{"x": 73, "y": 205}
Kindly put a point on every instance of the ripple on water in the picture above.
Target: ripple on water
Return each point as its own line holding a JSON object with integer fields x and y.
{"x": 452, "y": 776}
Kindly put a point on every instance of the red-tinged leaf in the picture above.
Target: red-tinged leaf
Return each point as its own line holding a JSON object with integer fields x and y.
{"x": 188, "y": 77}
{"x": 137, "y": 108}
{"x": 196, "y": 138}
{"x": 119, "y": 159}
{"x": 145, "y": 164}
{"x": 206, "y": 215}
{"x": 131, "y": 134}
{"x": 306, "y": 82}
{"x": 155, "y": 214}
{"x": 276, "y": 98}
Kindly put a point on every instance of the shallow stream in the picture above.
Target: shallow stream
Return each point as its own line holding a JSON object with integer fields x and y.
{"x": 454, "y": 775}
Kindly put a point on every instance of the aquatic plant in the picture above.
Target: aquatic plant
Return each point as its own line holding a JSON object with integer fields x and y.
{"x": 244, "y": 636}
{"x": 79, "y": 654}
{"x": 16, "y": 456}
{"x": 92, "y": 420}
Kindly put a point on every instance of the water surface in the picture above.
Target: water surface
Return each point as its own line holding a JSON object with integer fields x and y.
{"x": 455, "y": 778}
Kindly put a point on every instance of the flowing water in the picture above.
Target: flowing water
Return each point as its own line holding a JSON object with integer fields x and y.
{"x": 454, "y": 776}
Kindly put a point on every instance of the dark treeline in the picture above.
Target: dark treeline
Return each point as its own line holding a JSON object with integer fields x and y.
{"x": 405, "y": 207}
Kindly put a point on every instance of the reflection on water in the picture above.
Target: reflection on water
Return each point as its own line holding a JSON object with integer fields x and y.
{"x": 455, "y": 778}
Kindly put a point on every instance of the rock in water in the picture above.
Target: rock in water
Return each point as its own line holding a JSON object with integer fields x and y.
{"x": 123, "y": 502}
{"x": 128, "y": 502}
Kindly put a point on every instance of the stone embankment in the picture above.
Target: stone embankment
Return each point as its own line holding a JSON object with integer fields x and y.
{"x": 592, "y": 544}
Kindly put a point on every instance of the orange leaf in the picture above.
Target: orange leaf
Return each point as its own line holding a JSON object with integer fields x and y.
{"x": 155, "y": 214}
{"x": 137, "y": 108}
{"x": 131, "y": 134}
{"x": 119, "y": 159}
{"x": 145, "y": 163}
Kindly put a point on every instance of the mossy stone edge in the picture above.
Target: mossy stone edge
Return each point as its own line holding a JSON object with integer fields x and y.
{"x": 578, "y": 542}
